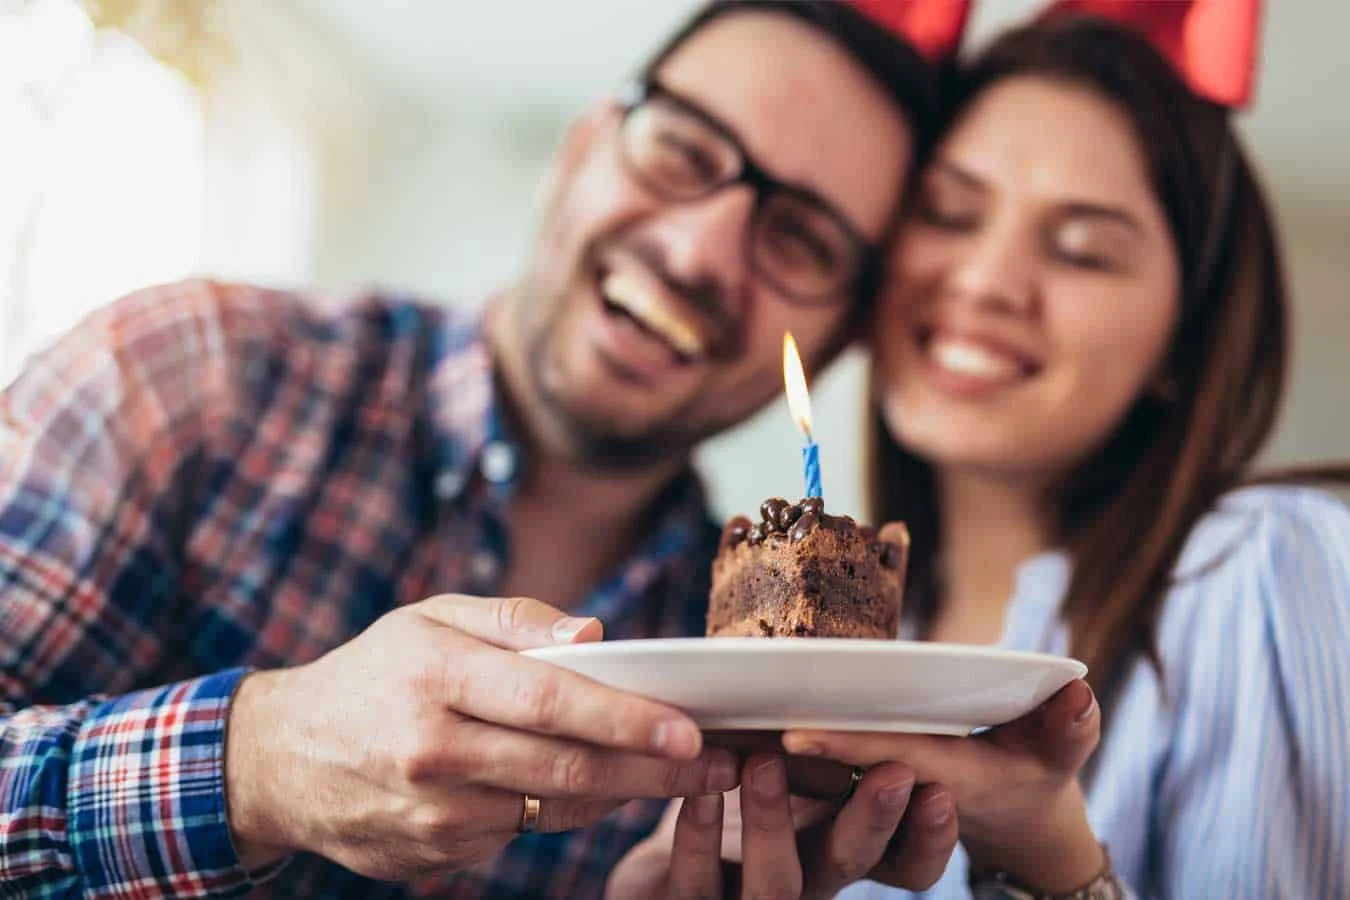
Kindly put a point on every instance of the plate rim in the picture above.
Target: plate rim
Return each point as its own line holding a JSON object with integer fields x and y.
{"x": 758, "y": 645}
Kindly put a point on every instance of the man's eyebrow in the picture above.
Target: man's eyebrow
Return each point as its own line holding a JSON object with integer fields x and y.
{"x": 798, "y": 188}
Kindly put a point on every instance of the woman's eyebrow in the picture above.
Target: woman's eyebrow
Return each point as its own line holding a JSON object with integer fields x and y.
{"x": 1103, "y": 212}
{"x": 966, "y": 178}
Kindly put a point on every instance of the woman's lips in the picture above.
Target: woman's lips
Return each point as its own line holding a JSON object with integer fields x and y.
{"x": 971, "y": 366}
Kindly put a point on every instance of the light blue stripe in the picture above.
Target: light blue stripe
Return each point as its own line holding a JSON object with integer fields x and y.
{"x": 1243, "y": 789}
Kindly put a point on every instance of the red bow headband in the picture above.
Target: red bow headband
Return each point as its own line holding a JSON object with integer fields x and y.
{"x": 933, "y": 27}
{"x": 1212, "y": 44}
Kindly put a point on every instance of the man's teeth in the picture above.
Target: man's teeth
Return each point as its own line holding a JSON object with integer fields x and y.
{"x": 629, "y": 295}
{"x": 966, "y": 358}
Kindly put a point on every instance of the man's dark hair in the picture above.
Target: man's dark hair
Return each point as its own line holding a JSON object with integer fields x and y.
{"x": 899, "y": 68}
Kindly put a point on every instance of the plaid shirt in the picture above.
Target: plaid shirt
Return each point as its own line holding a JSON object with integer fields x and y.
{"x": 202, "y": 479}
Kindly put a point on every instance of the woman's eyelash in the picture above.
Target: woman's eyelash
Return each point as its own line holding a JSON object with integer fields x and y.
{"x": 1089, "y": 261}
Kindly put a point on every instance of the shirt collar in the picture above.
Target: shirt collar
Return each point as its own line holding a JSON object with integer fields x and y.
{"x": 667, "y": 579}
{"x": 1032, "y": 620}
{"x": 472, "y": 436}
{"x": 462, "y": 398}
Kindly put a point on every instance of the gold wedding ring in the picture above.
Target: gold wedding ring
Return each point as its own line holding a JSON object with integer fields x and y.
{"x": 529, "y": 816}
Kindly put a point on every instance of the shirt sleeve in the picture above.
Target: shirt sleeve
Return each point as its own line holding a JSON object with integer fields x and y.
{"x": 1254, "y": 799}
{"x": 104, "y": 790}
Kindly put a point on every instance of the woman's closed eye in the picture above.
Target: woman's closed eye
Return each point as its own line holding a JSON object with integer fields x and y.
{"x": 1093, "y": 246}
{"x": 947, "y": 212}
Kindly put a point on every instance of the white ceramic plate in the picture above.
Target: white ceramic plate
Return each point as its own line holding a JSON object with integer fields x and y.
{"x": 771, "y": 684}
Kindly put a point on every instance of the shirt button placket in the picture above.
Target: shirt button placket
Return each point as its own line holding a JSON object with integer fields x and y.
{"x": 484, "y": 569}
{"x": 499, "y": 462}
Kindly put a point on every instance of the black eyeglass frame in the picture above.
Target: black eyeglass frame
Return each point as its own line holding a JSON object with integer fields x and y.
{"x": 751, "y": 174}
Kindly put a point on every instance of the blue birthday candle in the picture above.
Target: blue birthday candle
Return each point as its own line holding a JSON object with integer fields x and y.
{"x": 799, "y": 404}
{"x": 811, "y": 466}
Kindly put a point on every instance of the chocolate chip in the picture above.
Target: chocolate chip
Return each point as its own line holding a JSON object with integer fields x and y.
{"x": 734, "y": 532}
{"x": 890, "y": 555}
{"x": 772, "y": 510}
{"x": 805, "y": 525}
{"x": 756, "y": 534}
{"x": 813, "y": 505}
{"x": 787, "y": 515}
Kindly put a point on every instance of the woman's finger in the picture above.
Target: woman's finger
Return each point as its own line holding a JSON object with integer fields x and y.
{"x": 858, "y": 837}
{"x": 696, "y": 856}
{"x": 923, "y": 846}
{"x": 931, "y": 757}
{"x": 1061, "y": 733}
{"x": 770, "y": 864}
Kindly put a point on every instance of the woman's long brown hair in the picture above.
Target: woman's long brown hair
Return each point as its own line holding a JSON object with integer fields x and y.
{"x": 1124, "y": 515}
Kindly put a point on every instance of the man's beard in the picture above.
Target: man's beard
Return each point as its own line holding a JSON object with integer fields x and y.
{"x": 594, "y": 441}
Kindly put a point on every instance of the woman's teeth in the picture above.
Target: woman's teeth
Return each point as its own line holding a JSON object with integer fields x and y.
{"x": 975, "y": 360}
{"x": 629, "y": 295}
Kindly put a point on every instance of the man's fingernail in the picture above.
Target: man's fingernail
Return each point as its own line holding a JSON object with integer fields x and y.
{"x": 676, "y": 737}
{"x": 704, "y": 808}
{"x": 568, "y": 627}
{"x": 769, "y": 780}
{"x": 722, "y": 772}
{"x": 1086, "y": 712}
{"x": 801, "y": 747}
{"x": 892, "y": 799}
{"x": 937, "y": 811}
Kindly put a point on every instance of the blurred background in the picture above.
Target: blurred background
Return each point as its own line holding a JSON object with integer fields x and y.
{"x": 342, "y": 143}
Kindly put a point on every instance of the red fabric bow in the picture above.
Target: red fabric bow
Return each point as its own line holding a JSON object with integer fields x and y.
{"x": 1212, "y": 44}
{"x": 933, "y": 27}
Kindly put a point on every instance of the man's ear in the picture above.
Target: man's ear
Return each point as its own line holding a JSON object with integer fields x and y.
{"x": 580, "y": 139}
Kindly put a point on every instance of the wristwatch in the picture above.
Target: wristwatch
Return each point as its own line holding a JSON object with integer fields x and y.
{"x": 1002, "y": 886}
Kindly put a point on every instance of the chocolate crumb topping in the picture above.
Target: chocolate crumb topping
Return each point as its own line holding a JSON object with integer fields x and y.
{"x": 804, "y": 526}
{"x": 772, "y": 511}
{"x": 845, "y": 581}
{"x": 734, "y": 533}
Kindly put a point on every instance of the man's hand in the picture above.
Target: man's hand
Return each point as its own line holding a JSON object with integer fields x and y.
{"x": 763, "y": 843}
{"x": 410, "y": 748}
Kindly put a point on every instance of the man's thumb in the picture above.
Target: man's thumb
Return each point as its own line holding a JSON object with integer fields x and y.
{"x": 512, "y": 623}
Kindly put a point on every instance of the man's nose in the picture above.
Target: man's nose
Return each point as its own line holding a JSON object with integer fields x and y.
{"x": 704, "y": 241}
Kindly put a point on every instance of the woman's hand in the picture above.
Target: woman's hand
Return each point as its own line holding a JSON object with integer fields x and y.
{"x": 1016, "y": 788}
{"x": 760, "y": 842}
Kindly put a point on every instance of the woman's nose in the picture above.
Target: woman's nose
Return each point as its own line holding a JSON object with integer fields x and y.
{"x": 996, "y": 271}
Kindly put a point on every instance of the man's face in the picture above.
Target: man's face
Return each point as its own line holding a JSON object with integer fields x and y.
{"x": 646, "y": 325}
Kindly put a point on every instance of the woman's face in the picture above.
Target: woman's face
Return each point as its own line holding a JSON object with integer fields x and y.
{"x": 1034, "y": 289}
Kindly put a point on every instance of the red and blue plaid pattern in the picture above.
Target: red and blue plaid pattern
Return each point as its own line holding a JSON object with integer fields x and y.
{"x": 207, "y": 478}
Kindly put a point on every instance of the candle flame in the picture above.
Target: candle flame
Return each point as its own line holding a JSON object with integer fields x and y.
{"x": 794, "y": 379}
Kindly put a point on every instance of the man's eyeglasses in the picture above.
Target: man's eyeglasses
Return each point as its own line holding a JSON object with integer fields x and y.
{"x": 796, "y": 242}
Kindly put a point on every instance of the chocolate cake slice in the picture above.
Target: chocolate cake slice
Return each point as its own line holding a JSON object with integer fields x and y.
{"x": 800, "y": 572}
